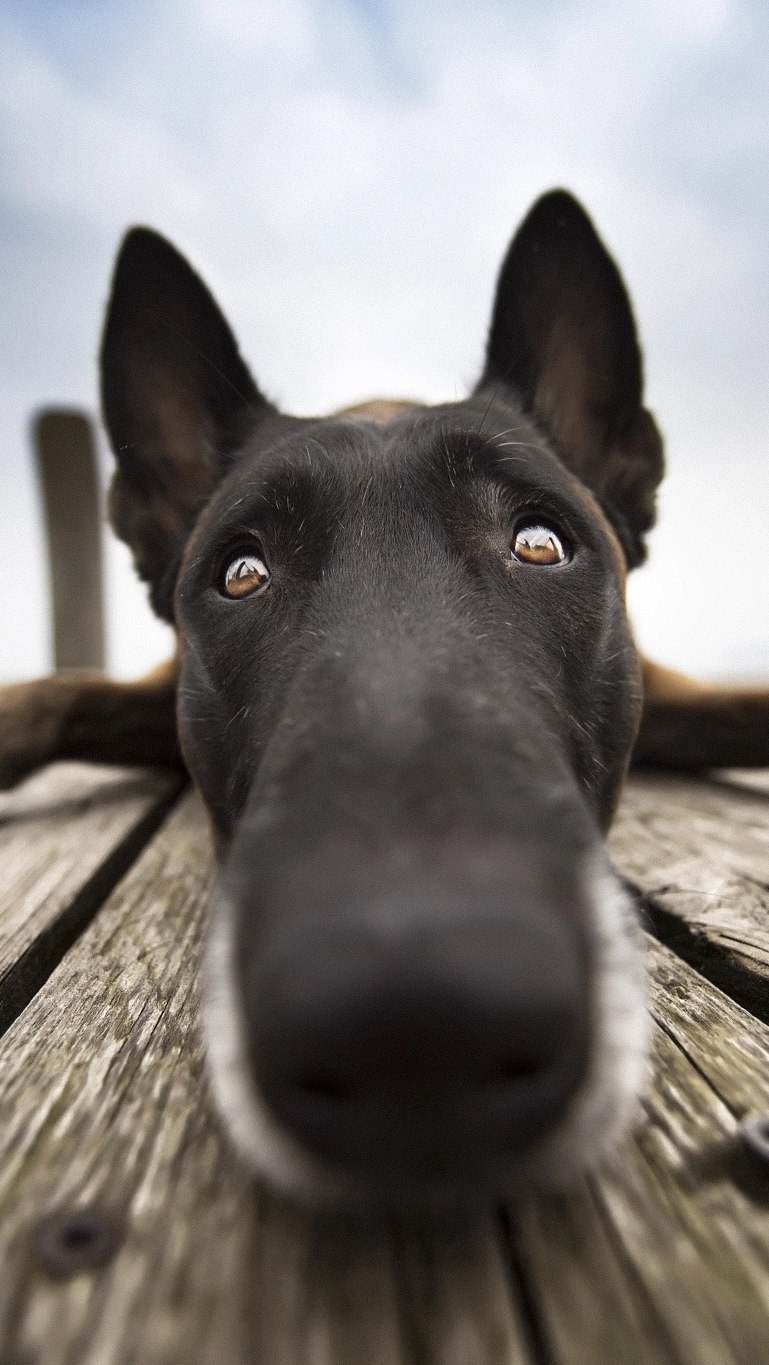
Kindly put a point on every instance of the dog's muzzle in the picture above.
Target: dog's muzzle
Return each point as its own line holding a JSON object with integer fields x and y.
{"x": 474, "y": 1047}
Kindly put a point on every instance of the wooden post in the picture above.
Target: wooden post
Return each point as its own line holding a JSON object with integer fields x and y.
{"x": 65, "y": 451}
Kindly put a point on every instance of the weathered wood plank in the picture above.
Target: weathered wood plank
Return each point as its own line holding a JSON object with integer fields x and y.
{"x": 350, "y": 1296}
{"x": 66, "y": 835}
{"x": 458, "y": 1302}
{"x": 103, "y": 1104}
{"x": 666, "y": 1258}
{"x": 701, "y": 851}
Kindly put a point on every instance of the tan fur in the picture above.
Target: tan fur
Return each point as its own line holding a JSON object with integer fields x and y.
{"x": 691, "y": 724}
{"x": 89, "y": 717}
{"x": 380, "y": 409}
{"x": 664, "y": 684}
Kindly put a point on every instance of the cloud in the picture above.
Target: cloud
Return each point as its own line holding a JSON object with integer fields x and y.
{"x": 347, "y": 177}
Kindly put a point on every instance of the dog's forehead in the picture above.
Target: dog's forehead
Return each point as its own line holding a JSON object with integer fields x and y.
{"x": 393, "y": 452}
{"x": 386, "y": 437}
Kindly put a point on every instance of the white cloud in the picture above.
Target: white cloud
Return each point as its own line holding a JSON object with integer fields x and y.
{"x": 76, "y": 154}
{"x": 348, "y": 187}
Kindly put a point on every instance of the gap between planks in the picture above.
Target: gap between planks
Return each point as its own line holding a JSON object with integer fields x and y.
{"x": 664, "y": 1259}
{"x": 67, "y": 836}
{"x": 103, "y": 1103}
{"x": 699, "y": 850}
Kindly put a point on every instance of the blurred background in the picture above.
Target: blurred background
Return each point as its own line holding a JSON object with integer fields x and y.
{"x": 346, "y": 174}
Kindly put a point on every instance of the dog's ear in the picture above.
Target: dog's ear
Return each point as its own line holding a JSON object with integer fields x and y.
{"x": 176, "y": 397}
{"x": 563, "y": 335}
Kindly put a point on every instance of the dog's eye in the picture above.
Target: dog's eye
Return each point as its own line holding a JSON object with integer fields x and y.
{"x": 537, "y": 543}
{"x": 244, "y": 575}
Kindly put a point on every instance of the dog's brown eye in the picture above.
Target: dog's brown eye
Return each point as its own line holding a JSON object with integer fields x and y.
{"x": 537, "y": 543}
{"x": 244, "y": 575}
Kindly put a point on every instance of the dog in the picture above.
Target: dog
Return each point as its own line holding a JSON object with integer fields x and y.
{"x": 407, "y": 691}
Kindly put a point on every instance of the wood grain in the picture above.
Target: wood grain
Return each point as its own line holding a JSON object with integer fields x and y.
{"x": 103, "y": 1105}
{"x": 662, "y": 1260}
{"x": 66, "y": 835}
{"x": 701, "y": 851}
{"x": 666, "y": 1257}
{"x": 458, "y": 1300}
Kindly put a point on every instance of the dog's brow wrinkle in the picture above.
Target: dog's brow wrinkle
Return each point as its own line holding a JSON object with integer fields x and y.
{"x": 543, "y": 689}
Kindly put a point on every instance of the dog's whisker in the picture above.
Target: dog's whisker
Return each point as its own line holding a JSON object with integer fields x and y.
{"x": 487, "y": 410}
{"x": 519, "y": 426}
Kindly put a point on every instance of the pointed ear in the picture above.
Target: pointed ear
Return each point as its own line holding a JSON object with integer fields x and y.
{"x": 563, "y": 335}
{"x": 176, "y": 398}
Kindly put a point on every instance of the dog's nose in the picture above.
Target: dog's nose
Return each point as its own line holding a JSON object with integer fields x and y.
{"x": 422, "y": 1053}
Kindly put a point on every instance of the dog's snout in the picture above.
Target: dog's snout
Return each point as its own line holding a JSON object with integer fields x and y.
{"x": 421, "y": 1052}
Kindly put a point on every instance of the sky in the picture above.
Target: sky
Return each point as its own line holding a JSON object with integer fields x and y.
{"x": 347, "y": 174}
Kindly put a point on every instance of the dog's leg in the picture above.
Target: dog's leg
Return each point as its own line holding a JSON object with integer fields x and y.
{"x": 87, "y": 716}
{"x": 692, "y": 725}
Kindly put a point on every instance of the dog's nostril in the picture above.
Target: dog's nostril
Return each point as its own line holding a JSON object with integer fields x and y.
{"x": 325, "y": 1088}
{"x": 392, "y": 1056}
{"x": 482, "y": 1076}
{"x": 521, "y": 1069}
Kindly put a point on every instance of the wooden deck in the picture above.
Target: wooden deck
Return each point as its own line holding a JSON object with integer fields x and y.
{"x": 129, "y": 1233}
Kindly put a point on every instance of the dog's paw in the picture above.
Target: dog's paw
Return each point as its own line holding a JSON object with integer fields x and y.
{"x": 30, "y": 722}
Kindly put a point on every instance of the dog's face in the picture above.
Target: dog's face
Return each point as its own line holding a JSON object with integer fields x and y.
{"x": 408, "y": 696}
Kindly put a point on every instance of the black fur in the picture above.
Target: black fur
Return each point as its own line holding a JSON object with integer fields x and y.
{"x": 410, "y": 742}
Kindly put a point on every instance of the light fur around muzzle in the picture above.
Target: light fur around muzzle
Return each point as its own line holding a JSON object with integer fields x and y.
{"x": 600, "y": 1112}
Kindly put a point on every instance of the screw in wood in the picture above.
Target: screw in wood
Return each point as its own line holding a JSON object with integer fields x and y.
{"x": 70, "y": 1243}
